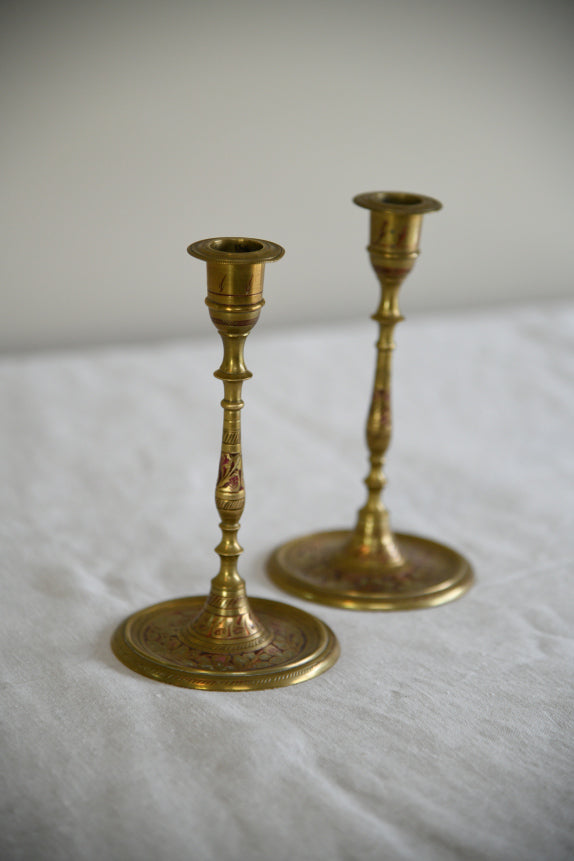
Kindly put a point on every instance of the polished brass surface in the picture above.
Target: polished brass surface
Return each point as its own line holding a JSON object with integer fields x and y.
{"x": 224, "y": 641}
{"x": 316, "y": 567}
{"x": 370, "y": 567}
{"x": 300, "y": 647}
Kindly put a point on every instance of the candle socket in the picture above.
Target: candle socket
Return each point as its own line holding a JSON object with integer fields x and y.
{"x": 370, "y": 567}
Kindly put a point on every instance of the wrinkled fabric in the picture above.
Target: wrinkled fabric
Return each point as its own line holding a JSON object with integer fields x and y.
{"x": 443, "y": 733}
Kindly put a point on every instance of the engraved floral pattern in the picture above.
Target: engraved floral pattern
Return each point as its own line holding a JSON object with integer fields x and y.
{"x": 230, "y": 473}
{"x": 316, "y": 562}
{"x": 161, "y": 636}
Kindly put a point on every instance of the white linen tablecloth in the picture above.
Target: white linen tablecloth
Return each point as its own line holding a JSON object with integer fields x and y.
{"x": 441, "y": 734}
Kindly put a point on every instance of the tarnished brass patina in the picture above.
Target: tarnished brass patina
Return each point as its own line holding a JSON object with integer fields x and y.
{"x": 370, "y": 567}
{"x": 223, "y": 641}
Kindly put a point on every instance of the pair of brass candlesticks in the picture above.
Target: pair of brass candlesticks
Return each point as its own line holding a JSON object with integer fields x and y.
{"x": 226, "y": 641}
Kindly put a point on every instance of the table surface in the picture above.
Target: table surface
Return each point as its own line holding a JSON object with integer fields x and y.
{"x": 443, "y": 733}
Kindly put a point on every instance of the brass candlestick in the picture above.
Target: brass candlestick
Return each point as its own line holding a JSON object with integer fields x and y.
{"x": 224, "y": 641}
{"x": 370, "y": 568}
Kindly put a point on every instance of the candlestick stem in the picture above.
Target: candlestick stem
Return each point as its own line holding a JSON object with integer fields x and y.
{"x": 227, "y": 622}
{"x": 372, "y": 533}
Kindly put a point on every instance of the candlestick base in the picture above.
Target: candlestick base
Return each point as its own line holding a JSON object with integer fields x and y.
{"x": 153, "y": 643}
{"x": 318, "y": 568}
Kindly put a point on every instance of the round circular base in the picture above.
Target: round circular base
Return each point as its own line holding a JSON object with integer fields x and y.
{"x": 314, "y": 567}
{"x": 150, "y": 643}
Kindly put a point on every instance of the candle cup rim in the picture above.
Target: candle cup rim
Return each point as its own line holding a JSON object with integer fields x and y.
{"x": 404, "y": 203}
{"x": 262, "y": 250}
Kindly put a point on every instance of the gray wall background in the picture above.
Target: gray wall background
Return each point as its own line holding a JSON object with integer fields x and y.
{"x": 131, "y": 129}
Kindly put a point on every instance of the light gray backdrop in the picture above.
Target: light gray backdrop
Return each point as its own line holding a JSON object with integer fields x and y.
{"x": 133, "y": 128}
